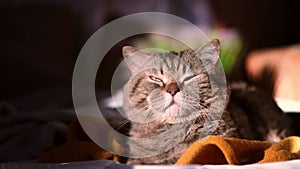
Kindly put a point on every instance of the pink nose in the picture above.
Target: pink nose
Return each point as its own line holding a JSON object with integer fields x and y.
{"x": 172, "y": 88}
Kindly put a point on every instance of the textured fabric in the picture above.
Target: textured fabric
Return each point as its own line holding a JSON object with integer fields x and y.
{"x": 216, "y": 150}
{"x": 209, "y": 150}
{"x": 78, "y": 147}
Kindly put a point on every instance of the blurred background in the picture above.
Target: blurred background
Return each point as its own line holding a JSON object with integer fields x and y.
{"x": 40, "y": 41}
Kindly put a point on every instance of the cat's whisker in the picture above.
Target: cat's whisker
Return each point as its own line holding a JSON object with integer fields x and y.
{"x": 203, "y": 105}
{"x": 122, "y": 124}
{"x": 147, "y": 125}
{"x": 157, "y": 102}
{"x": 157, "y": 98}
{"x": 141, "y": 107}
{"x": 190, "y": 102}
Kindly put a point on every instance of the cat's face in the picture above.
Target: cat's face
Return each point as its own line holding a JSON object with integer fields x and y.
{"x": 170, "y": 87}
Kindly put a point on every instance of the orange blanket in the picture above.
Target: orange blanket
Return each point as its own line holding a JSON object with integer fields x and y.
{"x": 216, "y": 150}
{"x": 209, "y": 150}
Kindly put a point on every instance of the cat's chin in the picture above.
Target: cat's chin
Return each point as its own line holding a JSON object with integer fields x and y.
{"x": 172, "y": 113}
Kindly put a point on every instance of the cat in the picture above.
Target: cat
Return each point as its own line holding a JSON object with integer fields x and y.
{"x": 167, "y": 89}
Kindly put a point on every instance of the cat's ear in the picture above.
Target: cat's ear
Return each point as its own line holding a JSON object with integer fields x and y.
{"x": 209, "y": 52}
{"x": 134, "y": 59}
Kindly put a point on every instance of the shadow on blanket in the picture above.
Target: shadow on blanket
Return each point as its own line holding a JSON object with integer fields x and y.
{"x": 24, "y": 134}
{"x": 209, "y": 150}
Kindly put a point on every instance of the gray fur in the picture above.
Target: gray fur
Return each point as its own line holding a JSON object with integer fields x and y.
{"x": 146, "y": 97}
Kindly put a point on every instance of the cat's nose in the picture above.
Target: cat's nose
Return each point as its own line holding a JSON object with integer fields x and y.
{"x": 172, "y": 88}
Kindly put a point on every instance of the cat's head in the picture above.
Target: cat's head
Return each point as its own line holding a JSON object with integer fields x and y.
{"x": 170, "y": 87}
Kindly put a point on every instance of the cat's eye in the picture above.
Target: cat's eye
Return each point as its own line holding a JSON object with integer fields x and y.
{"x": 156, "y": 79}
{"x": 188, "y": 78}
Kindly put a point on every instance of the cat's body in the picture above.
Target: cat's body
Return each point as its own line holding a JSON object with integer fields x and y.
{"x": 167, "y": 89}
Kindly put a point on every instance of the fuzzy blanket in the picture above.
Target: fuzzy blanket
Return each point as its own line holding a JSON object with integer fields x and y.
{"x": 31, "y": 124}
{"x": 216, "y": 150}
{"x": 209, "y": 150}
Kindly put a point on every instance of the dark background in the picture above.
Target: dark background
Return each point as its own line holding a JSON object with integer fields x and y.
{"x": 40, "y": 40}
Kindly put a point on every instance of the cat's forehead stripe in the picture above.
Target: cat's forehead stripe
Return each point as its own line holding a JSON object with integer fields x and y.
{"x": 172, "y": 64}
{"x": 167, "y": 65}
{"x": 184, "y": 68}
{"x": 178, "y": 64}
{"x": 136, "y": 85}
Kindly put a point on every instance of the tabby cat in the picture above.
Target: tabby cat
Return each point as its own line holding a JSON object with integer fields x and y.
{"x": 167, "y": 89}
